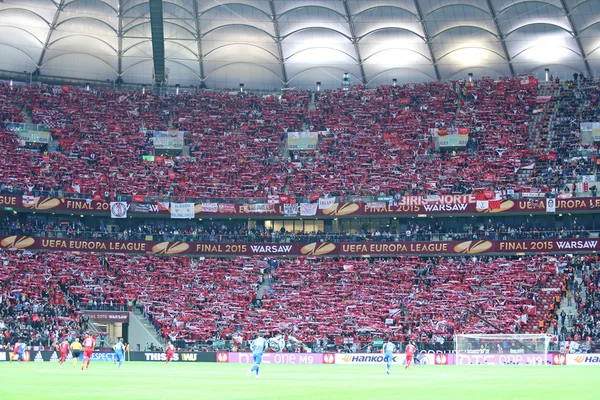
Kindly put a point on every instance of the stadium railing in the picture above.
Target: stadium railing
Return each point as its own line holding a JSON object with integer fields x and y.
{"x": 59, "y": 193}
{"x": 291, "y": 237}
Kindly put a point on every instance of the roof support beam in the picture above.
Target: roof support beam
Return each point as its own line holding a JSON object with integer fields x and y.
{"x": 363, "y": 76}
{"x": 278, "y": 40}
{"x": 158, "y": 40}
{"x": 59, "y": 8}
{"x": 502, "y": 39}
{"x": 577, "y": 39}
{"x": 199, "y": 42}
{"x": 427, "y": 40}
{"x": 120, "y": 43}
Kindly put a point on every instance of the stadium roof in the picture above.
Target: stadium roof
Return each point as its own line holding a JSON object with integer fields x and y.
{"x": 268, "y": 44}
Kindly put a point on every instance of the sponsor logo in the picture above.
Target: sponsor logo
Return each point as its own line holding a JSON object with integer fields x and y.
{"x": 341, "y": 209}
{"x": 441, "y": 359}
{"x": 317, "y": 249}
{"x": 38, "y": 357}
{"x": 170, "y": 248}
{"x": 107, "y": 357}
{"x": 583, "y": 359}
{"x": 222, "y": 357}
{"x": 363, "y": 359}
{"x": 473, "y": 247}
{"x": 17, "y": 242}
{"x": 189, "y": 357}
{"x": 276, "y": 358}
{"x": 328, "y": 359}
{"x": 559, "y": 359}
{"x": 54, "y": 357}
{"x": 160, "y": 357}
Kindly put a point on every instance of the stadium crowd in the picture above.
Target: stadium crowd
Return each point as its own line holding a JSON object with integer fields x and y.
{"x": 193, "y": 300}
{"x": 372, "y": 141}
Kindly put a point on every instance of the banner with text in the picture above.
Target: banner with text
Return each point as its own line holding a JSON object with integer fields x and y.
{"x": 305, "y": 249}
{"x": 409, "y": 205}
{"x": 182, "y": 210}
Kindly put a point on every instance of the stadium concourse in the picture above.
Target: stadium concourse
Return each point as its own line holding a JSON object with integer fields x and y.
{"x": 319, "y": 302}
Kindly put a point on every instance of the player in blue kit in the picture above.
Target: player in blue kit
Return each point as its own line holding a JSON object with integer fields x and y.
{"x": 119, "y": 349}
{"x": 388, "y": 354}
{"x": 258, "y": 347}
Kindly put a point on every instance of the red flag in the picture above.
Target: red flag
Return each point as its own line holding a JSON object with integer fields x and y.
{"x": 489, "y": 194}
{"x": 137, "y": 198}
{"x": 494, "y": 204}
{"x": 314, "y": 197}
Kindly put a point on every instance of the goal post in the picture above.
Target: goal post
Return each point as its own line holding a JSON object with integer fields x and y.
{"x": 501, "y": 349}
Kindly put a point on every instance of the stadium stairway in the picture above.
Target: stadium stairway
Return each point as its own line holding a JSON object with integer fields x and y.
{"x": 551, "y": 289}
{"x": 263, "y": 286}
{"x": 141, "y": 331}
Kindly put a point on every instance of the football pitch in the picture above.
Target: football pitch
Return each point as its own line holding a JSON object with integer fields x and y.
{"x": 49, "y": 381}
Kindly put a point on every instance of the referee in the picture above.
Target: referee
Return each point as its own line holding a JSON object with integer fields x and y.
{"x": 76, "y": 351}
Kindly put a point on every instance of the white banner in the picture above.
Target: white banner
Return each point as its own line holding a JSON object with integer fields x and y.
{"x": 588, "y": 178}
{"x": 482, "y": 204}
{"x": 118, "y": 209}
{"x": 326, "y": 202}
{"x": 209, "y": 207}
{"x": 550, "y": 205}
{"x": 182, "y": 210}
{"x": 290, "y": 210}
{"x": 257, "y": 208}
{"x": 28, "y": 200}
{"x": 308, "y": 209}
{"x": 273, "y": 199}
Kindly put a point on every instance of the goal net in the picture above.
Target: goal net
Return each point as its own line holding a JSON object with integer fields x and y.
{"x": 501, "y": 349}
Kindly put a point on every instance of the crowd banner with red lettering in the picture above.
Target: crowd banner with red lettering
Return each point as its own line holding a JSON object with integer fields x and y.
{"x": 550, "y": 246}
{"x": 326, "y": 202}
{"x": 407, "y": 205}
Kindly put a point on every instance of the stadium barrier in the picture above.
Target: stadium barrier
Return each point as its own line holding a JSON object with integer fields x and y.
{"x": 178, "y": 357}
{"x": 313, "y": 249}
{"x": 378, "y": 358}
{"x": 276, "y": 358}
{"x": 462, "y": 204}
{"x": 583, "y": 359}
{"x": 53, "y": 356}
{"x": 495, "y": 359}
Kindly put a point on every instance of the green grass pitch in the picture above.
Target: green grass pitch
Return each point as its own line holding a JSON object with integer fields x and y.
{"x": 144, "y": 381}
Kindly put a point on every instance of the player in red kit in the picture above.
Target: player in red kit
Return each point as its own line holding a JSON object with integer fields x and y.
{"x": 410, "y": 351}
{"x": 88, "y": 349}
{"x": 170, "y": 352}
{"x": 64, "y": 350}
